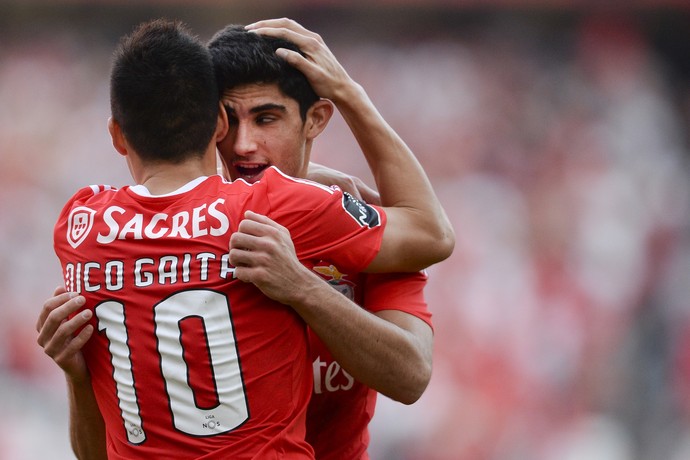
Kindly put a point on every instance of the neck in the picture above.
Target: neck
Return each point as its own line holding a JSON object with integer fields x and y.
{"x": 162, "y": 178}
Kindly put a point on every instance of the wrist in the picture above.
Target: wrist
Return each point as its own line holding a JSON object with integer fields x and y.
{"x": 350, "y": 93}
{"x": 78, "y": 380}
{"x": 306, "y": 292}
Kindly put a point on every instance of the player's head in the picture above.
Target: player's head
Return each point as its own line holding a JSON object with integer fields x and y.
{"x": 273, "y": 112}
{"x": 163, "y": 92}
{"x": 243, "y": 58}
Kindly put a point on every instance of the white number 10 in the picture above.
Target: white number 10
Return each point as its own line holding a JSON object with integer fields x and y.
{"x": 212, "y": 307}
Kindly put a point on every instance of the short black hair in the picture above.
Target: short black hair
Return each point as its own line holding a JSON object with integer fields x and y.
{"x": 241, "y": 58}
{"x": 163, "y": 91}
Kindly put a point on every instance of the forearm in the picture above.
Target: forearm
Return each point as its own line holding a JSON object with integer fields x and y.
{"x": 400, "y": 178}
{"x": 87, "y": 429}
{"x": 376, "y": 352}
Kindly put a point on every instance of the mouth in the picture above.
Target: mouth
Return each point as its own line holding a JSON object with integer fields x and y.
{"x": 250, "y": 172}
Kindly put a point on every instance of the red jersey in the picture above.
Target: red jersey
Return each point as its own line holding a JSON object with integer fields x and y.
{"x": 188, "y": 362}
{"x": 341, "y": 408}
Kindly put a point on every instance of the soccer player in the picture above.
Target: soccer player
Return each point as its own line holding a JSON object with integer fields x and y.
{"x": 355, "y": 352}
{"x": 190, "y": 361}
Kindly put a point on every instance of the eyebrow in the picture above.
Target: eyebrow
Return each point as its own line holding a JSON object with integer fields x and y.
{"x": 268, "y": 106}
{"x": 258, "y": 108}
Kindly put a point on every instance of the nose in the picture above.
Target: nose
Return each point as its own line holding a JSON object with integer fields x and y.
{"x": 245, "y": 140}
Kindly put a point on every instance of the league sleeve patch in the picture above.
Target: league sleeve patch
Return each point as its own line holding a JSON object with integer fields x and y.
{"x": 365, "y": 215}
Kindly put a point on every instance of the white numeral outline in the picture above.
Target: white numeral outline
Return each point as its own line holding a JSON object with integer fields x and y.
{"x": 212, "y": 307}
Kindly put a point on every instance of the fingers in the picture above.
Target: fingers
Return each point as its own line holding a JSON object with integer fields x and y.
{"x": 257, "y": 236}
{"x": 251, "y": 216}
{"x": 283, "y": 24}
{"x": 60, "y": 297}
{"x": 56, "y": 312}
{"x": 64, "y": 344}
{"x": 289, "y": 30}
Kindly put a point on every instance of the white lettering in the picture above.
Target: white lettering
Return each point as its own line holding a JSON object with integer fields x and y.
{"x": 316, "y": 366}
{"x": 204, "y": 220}
{"x": 169, "y": 274}
{"x": 197, "y": 219}
{"x": 114, "y": 275}
{"x": 149, "y": 230}
{"x": 221, "y": 217}
{"x": 111, "y": 223}
{"x": 185, "y": 268}
{"x": 134, "y": 226}
{"x": 204, "y": 258}
{"x": 87, "y": 267}
{"x": 114, "y": 283}
{"x": 142, "y": 278}
{"x": 69, "y": 277}
{"x": 225, "y": 267}
{"x": 179, "y": 221}
{"x": 328, "y": 381}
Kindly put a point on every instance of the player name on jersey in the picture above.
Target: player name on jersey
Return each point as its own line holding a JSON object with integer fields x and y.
{"x": 113, "y": 275}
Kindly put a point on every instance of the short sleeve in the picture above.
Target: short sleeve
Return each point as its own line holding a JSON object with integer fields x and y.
{"x": 397, "y": 291}
{"x": 324, "y": 222}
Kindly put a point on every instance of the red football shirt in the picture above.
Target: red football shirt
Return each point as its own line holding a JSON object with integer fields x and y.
{"x": 341, "y": 407}
{"x": 188, "y": 362}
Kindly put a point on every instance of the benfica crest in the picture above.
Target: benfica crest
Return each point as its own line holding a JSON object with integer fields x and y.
{"x": 79, "y": 225}
{"x": 337, "y": 280}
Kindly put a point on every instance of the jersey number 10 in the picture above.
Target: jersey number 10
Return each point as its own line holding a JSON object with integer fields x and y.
{"x": 212, "y": 307}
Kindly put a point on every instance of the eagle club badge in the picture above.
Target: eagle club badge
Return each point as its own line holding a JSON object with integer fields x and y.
{"x": 79, "y": 225}
{"x": 337, "y": 280}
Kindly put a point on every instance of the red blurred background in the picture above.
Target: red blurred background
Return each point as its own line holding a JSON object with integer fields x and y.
{"x": 556, "y": 135}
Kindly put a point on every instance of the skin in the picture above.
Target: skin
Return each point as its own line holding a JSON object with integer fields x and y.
{"x": 62, "y": 338}
{"x": 390, "y": 351}
{"x": 264, "y": 128}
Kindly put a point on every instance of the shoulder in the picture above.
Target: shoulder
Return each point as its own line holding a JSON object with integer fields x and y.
{"x": 90, "y": 194}
{"x": 274, "y": 177}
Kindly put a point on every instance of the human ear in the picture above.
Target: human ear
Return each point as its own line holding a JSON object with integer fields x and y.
{"x": 222, "y": 126}
{"x": 117, "y": 137}
{"x": 318, "y": 116}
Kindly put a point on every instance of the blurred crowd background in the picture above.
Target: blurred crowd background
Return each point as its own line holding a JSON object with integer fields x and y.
{"x": 556, "y": 135}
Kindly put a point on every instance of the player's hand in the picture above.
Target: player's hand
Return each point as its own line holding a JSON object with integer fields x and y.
{"x": 350, "y": 184}
{"x": 263, "y": 253}
{"x": 57, "y": 333}
{"x": 325, "y": 74}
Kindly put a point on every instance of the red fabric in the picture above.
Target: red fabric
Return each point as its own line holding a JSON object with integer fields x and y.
{"x": 341, "y": 408}
{"x": 165, "y": 287}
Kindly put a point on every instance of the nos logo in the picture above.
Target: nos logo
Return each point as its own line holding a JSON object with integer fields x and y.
{"x": 79, "y": 225}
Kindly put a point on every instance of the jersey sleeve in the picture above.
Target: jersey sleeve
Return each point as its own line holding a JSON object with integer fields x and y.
{"x": 397, "y": 291}
{"x": 324, "y": 222}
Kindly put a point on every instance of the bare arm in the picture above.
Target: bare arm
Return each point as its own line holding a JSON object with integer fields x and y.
{"x": 350, "y": 184}
{"x": 57, "y": 335}
{"x": 417, "y": 224}
{"x": 389, "y": 352}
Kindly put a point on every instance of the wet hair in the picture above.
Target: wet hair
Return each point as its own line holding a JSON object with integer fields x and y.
{"x": 163, "y": 91}
{"x": 244, "y": 58}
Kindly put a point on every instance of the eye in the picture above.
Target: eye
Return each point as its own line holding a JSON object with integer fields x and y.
{"x": 265, "y": 118}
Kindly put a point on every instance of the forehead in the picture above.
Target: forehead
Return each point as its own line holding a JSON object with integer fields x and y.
{"x": 245, "y": 97}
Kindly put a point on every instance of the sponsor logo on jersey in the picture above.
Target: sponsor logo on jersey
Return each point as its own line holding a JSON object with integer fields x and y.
{"x": 79, "y": 224}
{"x": 365, "y": 215}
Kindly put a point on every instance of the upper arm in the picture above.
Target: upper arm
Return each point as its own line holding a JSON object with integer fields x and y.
{"x": 406, "y": 246}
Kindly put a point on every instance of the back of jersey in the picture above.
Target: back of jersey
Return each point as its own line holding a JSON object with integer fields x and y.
{"x": 187, "y": 361}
